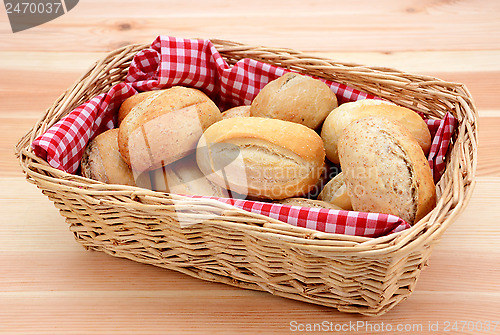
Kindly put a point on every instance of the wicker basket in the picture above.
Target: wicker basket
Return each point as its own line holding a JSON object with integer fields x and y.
{"x": 352, "y": 274}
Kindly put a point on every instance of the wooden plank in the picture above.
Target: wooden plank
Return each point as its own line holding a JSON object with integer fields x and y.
{"x": 488, "y": 158}
{"x": 11, "y": 131}
{"x": 98, "y": 313}
{"x": 323, "y": 26}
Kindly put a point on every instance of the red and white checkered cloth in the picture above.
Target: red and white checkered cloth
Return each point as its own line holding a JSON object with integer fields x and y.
{"x": 322, "y": 219}
{"x": 196, "y": 63}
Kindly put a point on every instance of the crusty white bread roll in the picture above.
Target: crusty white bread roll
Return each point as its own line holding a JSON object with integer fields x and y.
{"x": 296, "y": 98}
{"x": 165, "y": 127}
{"x": 341, "y": 116}
{"x": 306, "y": 202}
{"x": 335, "y": 193}
{"x": 102, "y": 161}
{"x": 184, "y": 177}
{"x": 261, "y": 157}
{"x": 237, "y": 112}
{"x": 385, "y": 169}
{"x": 130, "y": 103}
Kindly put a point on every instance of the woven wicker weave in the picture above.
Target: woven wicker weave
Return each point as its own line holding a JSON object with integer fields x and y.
{"x": 352, "y": 274}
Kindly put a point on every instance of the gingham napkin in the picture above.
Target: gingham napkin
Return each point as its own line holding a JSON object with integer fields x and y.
{"x": 196, "y": 63}
{"x": 322, "y": 219}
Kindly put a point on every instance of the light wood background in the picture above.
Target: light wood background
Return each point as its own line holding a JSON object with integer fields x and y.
{"x": 50, "y": 285}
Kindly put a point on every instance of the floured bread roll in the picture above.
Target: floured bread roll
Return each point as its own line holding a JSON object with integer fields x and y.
{"x": 102, "y": 161}
{"x": 385, "y": 169}
{"x": 306, "y": 202}
{"x": 296, "y": 98}
{"x": 341, "y": 116}
{"x": 184, "y": 177}
{"x": 261, "y": 157}
{"x": 165, "y": 127}
{"x": 236, "y": 112}
{"x": 335, "y": 193}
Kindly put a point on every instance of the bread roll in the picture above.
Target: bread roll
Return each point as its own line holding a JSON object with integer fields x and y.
{"x": 305, "y": 202}
{"x": 132, "y": 101}
{"x": 236, "y": 112}
{"x": 385, "y": 169}
{"x": 335, "y": 193}
{"x": 261, "y": 157}
{"x": 102, "y": 161}
{"x": 341, "y": 116}
{"x": 296, "y": 98}
{"x": 165, "y": 127}
{"x": 184, "y": 177}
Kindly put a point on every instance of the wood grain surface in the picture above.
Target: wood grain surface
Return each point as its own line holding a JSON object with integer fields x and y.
{"x": 50, "y": 285}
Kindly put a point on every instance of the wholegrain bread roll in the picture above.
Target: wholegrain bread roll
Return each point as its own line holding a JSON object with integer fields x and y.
{"x": 165, "y": 127}
{"x": 102, "y": 161}
{"x": 236, "y": 112}
{"x": 346, "y": 113}
{"x": 132, "y": 101}
{"x": 385, "y": 169}
{"x": 296, "y": 98}
{"x": 306, "y": 202}
{"x": 261, "y": 157}
{"x": 335, "y": 193}
{"x": 184, "y": 177}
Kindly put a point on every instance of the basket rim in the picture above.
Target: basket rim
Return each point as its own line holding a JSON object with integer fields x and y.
{"x": 423, "y": 232}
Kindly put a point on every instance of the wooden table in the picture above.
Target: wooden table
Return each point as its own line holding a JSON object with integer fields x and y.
{"x": 50, "y": 285}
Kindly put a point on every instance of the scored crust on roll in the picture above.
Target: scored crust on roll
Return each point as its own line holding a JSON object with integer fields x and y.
{"x": 346, "y": 113}
{"x": 261, "y": 157}
{"x": 296, "y": 98}
{"x": 166, "y": 127}
{"x": 385, "y": 169}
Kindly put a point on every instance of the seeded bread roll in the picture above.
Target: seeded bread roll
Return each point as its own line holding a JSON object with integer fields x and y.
{"x": 305, "y": 202}
{"x": 236, "y": 112}
{"x": 184, "y": 177}
{"x": 102, "y": 161}
{"x": 335, "y": 193}
{"x": 385, "y": 169}
{"x": 132, "y": 101}
{"x": 341, "y": 116}
{"x": 261, "y": 157}
{"x": 296, "y": 98}
{"x": 165, "y": 127}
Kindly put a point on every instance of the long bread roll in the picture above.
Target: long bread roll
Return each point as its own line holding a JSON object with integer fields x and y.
{"x": 261, "y": 157}
{"x": 385, "y": 169}
{"x": 165, "y": 127}
{"x": 346, "y": 113}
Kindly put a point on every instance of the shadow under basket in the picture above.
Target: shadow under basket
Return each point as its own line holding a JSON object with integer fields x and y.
{"x": 232, "y": 246}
